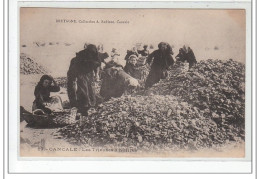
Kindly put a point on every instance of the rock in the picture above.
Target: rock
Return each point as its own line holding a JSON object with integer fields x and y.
{"x": 29, "y": 66}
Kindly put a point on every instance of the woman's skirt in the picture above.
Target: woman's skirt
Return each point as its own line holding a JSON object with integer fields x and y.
{"x": 54, "y": 104}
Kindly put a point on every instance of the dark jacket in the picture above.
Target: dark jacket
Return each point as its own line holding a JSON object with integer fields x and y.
{"x": 42, "y": 94}
{"x": 160, "y": 60}
{"x": 189, "y": 56}
{"x": 130, "y": 69}
{"x": 80, "y": 76}
{"x": 87, "y": 60}
{"x": 114, "y": 83}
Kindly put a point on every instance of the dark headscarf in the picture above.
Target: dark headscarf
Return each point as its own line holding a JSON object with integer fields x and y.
{"x": 92, "y": 49}
{"x": 168, "y": 47}
{"x": 87, "y": 59}
{"x": 44, "y": 77}
{"x": 88, "y": 54}
{"x": 39, "y": 86}
{"x": 162, "y": 43}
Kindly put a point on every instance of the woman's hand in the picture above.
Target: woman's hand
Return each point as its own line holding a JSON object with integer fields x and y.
{"x": 54, "y": 82}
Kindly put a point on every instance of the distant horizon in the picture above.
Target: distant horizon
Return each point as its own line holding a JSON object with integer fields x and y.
{"x": 212, "y": 34}
{"x": 218, "y": 27}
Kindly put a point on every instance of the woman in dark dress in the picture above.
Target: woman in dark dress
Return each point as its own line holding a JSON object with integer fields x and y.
{"x": 160, "y": 61}
{"x": 186, "y": 55}
{"x": 130, "y": 67}
{"x": 43, "y": 102}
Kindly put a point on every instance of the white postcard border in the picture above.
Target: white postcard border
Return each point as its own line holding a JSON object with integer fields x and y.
{"x": 96, "y": 165}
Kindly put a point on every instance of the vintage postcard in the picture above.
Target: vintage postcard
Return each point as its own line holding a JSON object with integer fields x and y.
{"x": 132, "y": 82}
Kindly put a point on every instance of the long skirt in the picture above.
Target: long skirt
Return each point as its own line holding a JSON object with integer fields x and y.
{"x": 54, "y": 104}
{"x": 85, "y": 94}
{"x": 154, "y": 77}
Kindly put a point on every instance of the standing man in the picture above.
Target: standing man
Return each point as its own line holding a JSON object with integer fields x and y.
{"x": 160, "y": 60}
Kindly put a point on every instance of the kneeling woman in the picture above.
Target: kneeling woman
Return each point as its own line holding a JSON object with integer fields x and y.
{"x": 43, "y": 103}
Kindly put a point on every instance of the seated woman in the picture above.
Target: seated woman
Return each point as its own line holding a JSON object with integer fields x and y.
{"x": 130, "y": 67}
{"x": 137, "y": 68}
{"x": 43, "y": 103}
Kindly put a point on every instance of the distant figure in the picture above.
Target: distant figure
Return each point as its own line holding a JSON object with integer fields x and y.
{"x": 133, "y": 51}
{"x": 186, "y": 55}
{"x": 116, "y": 63}
{"x": 160, "y": 61}
{"x": 144, "y": 52}
{"x": 43, "y": 103}
{"x": 115, "y": 60}
{"x": 80, "y": 77}
{"x": 100, "y": 48}
{"x": 114, "y": 53}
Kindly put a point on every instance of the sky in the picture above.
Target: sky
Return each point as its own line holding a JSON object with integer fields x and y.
{"x": 203, "y": 30}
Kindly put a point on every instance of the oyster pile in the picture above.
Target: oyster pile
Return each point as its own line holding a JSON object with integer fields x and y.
{"x": 202, "y": 107}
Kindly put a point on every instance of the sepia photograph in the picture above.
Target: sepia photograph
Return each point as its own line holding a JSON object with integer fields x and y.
{"x": 155, "y": 82}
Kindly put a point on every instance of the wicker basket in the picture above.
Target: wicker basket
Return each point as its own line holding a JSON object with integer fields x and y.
{"x": 38, "y": 120}
{"x": 48, "y": 120}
